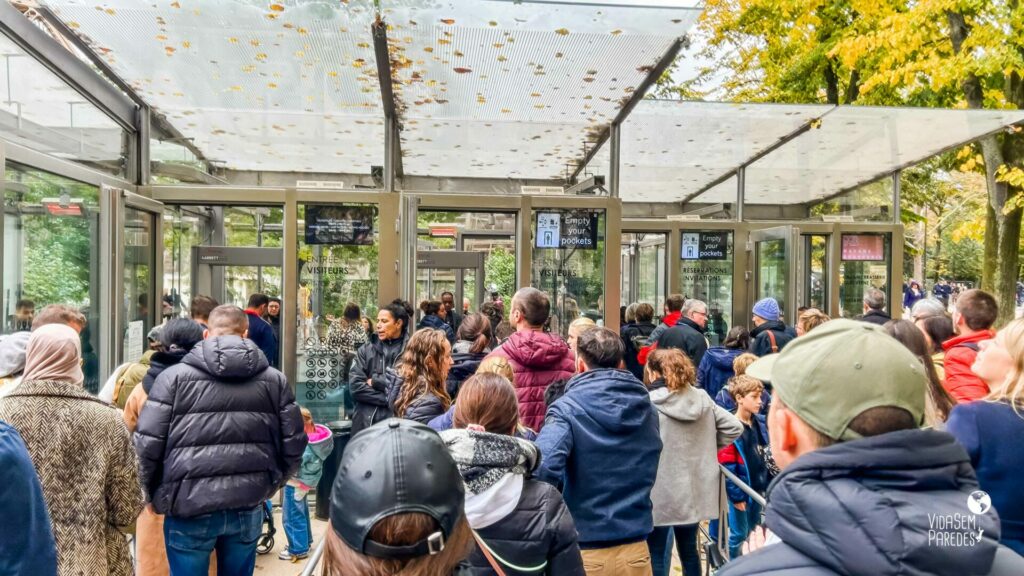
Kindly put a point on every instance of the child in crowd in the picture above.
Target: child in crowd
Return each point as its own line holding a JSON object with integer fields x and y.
{"x": 739, "y": 366}
{"x": 295, "y": 504}
{"x": 749, "y": 458}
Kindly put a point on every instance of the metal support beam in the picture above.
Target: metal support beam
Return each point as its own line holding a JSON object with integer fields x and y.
{"x": 741, "y": 191}
{"x": 613, "y": 170}
{"x": 392, "y": 140}
{"x": 140, "y": 148}
{"x": 897, "y": 207}
{"x": 652, "y": 76}
{"x": 77, "y": 74}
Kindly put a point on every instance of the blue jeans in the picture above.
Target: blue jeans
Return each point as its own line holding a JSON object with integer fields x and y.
{"x": 233, "y": 533}
{"x": 659, "y": 542}
{"x": 740, "y": 525}
{"x": 295, "y": 515}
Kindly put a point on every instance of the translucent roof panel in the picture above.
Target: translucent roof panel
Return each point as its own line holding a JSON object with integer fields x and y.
{"x": 857, "y": 144}
{"x": 568, "y": 66}
{"x": 257, "y": 85}
{"x": 41, "y": 112}
{"x": 672, "y": 149}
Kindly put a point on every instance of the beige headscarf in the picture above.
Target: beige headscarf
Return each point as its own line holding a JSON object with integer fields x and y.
{"x": 54, "y": 353}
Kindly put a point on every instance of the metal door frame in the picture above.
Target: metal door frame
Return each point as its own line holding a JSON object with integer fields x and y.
{"x": 789, "y": 235}
{"x": 458, "y": 260}
{"x": 219, "y": 257}
{"x": 127, "y": 200}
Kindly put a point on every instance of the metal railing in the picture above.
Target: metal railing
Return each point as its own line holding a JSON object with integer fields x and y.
{"x": 315, "y": 558}
{"x": 743, "y": 486}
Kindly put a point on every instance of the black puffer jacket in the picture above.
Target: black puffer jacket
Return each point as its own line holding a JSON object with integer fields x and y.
{"x": 464, "y": 365}
{"x": 761, "y": 343}
{"x": 367, "y": 380}
{"x": 540, "y": 530}
{"x": 871, "y": 506}
{"x": 220, "y": 431}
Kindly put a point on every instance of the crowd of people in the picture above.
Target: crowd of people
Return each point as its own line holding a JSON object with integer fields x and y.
{"x": 474, "y": 452}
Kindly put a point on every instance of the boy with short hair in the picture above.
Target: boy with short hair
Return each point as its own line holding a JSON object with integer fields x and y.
{"x": 747, "y": 457}
{"x": 739, "y": 368}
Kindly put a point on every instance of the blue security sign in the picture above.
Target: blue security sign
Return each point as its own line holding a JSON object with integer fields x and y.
{"x": 576, "y": 229}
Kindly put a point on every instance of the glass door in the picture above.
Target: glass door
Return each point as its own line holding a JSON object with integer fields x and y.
{"x": 774, "y": 273}
{"x": 815, "y": 271}
{"x": 644, "y": 269}
{"x": 141, "y": 242}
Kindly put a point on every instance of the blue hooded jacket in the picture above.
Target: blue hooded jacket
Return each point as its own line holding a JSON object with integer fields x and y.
{"x": 716, "y": 368}
{"x": 435, "y": 322}
{"x": 27, "y": 548}
{"x": 600, "y": 441}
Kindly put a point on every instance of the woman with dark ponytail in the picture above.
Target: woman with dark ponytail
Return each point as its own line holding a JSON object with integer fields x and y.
{"x": 434, "y": 314}
{"x": 471, "y": 347}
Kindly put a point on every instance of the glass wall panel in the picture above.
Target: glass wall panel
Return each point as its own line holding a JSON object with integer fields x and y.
{"x": 568, "y": 263}
{"x": 706, "y": 273}
{"x": 644, "y": 269}
{"x": 868, "y": 203}
{"x": 338, "y": 266}
{"x": 186, "y": 227}
{"x": 138, "y": 280}
{"x": 492, "y": 233}
{"x": 51, "y": 254}
{"x": 39, "y": 111}
{"x": 816, "y": 287}
{"x": 865, "y": 263}
{"x": 772, "y": 272}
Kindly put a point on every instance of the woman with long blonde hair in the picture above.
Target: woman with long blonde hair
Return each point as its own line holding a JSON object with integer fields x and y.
{"x": 990, "y": 428}
{"x": 417, "y": 391}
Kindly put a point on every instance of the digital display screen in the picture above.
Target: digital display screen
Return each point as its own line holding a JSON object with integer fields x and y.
{"x": 863, "y": 247}
{"x": 336, "y": 224}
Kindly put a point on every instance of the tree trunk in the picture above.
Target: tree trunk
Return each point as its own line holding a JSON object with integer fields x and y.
{"x": 922, "y": 243}
{"x": 988, "y": 267}
{"x": 1003, "y": 228}
{"x": 831, "y": 83}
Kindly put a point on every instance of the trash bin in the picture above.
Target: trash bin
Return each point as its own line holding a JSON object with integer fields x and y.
{"x": 342, "y": 430}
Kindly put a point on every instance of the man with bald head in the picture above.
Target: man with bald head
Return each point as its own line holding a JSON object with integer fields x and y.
{"x": 219, "y": 434}
{"x": 537, "y": 358}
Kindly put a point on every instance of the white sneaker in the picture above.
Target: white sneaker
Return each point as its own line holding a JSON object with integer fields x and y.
{"x": 285, "y": 555}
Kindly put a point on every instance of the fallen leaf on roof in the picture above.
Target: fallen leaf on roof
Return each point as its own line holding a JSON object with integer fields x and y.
{"x": 161, "y": 37}
{"x": 463, "y": 70}
{"x": 448, "y": 21}
{"x": 562, "y": 31}
{"x": 616, "y": 32}
{"x": 277, "y": 7}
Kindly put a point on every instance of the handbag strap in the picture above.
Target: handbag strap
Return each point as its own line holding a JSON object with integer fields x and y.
{"x": 487, "y": 554}
{"x": 775, "y": 345}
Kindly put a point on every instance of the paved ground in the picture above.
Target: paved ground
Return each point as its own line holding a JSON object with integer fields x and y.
{"x": 269, "y": 565}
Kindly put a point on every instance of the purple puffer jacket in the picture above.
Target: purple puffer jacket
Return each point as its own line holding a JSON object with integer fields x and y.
{"x": 538, "y": 359}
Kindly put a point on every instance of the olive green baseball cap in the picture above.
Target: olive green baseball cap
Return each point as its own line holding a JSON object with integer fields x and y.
{"x": 835, "y": 372}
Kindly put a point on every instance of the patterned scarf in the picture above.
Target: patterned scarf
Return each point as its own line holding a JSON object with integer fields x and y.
{"x": 484, "y": 458}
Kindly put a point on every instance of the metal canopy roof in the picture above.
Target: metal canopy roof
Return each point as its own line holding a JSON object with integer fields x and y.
{"x": 488, "y": 88}
{"x": 675, "y": 151}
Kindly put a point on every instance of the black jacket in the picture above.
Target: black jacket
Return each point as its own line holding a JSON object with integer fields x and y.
{"x": 367, "y": 380}
{"x": 539, "y": 530}
{"x": 220, "y": 431}
{"x": 761, "y": 343}
{"x": 875, "y": 317}
{"x": 159, "y": 362}
{"x": 464, "y": 365}
{"x": 687, "y": 336}
{"x": 869, "y": 507}
{"x": 634, "y": 337}
{"x": 422, "y": 409}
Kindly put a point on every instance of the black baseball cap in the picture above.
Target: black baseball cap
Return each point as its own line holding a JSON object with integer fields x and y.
{"x": 394, "y": 467}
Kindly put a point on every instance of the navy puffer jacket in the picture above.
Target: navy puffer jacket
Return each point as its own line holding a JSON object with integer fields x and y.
{"x": 220, "y": 431}
{"x": 434, "y": 321}
{"x": 894, "y": 504}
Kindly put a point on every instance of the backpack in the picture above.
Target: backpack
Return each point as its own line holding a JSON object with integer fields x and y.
{"x": 130, "y": 376}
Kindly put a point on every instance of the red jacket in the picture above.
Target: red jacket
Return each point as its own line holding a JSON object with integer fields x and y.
{"x": 667, "y": 322}
{"x": 961, "y": 351}
{"x": 538, "y": 359}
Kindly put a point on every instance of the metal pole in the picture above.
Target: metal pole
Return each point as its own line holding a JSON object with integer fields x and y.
{"x": 741, "y": 485}
{"x": 897, "y": 207}
{"x": 315, "y": 558}
{"x": 741, "y": 191}
{"x": 615, "y": 151}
